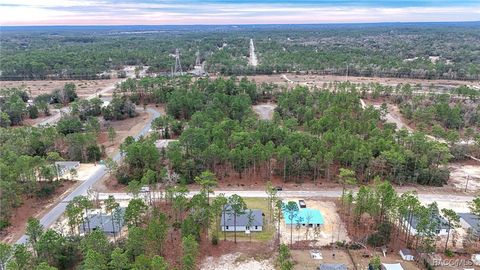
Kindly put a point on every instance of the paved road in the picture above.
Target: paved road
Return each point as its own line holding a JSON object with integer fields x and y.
{"x": 458, "y": 202}
{"x": 49, "y": 218}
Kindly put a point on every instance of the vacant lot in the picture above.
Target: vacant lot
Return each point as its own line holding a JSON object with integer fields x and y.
{"x": 362, "y": 261}
{"x": 265, "y": 110}
{"x": 318, "y": 80}
{"x": 237, "y": 261}
{"x": 303, "y": 259}
{"x": 461, "y": 172}
{"x": 84, "y": 88}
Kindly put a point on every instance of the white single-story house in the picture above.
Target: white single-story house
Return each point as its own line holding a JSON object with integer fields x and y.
{"x": 250, "y": 220}
{"x": 391, "y": 266}
{"x": 406, "y": 254}
{"x": 64, "y": 167}
{"x": 442, "y": 228}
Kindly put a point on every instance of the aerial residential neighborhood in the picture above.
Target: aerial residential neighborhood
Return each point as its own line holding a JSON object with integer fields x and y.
{"x": 239, "y": 135}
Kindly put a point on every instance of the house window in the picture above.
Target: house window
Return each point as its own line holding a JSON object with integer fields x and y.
{"x": 247, "y": 228}
{"x": 226, "y": 228}
{"x": 256, "y": 227}
{"x": 437, "y": 231}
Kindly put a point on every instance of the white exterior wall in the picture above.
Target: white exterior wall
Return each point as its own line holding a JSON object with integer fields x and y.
{"x": 241, "y": 228}
{"x": 406, "y": 257}
{"x": 413, "y": 231}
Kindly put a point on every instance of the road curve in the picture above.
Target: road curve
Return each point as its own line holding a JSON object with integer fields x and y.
{"x": 49, "y": 218}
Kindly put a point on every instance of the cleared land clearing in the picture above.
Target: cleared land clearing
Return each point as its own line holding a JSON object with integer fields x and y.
{"x": 84, "y": 88}
{"x": 303, "y": 259}
{"x": 460, "y": 172}
{"x": 319, "y": 80}
{"x": 391, "y": 257}
{"x": 236, "y": 261}
{"x": 265, "y": 110}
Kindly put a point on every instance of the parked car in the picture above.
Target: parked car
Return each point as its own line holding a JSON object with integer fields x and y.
{"x": 302, "y": 204}
{"x": 278, "y": 188}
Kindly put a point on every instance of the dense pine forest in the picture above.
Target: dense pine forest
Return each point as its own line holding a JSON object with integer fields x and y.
{"x": 431, "y": 51}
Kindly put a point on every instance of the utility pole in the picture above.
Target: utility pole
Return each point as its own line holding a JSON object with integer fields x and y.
{"x": 346, "y": 74}
{"x": 466, "y": 185}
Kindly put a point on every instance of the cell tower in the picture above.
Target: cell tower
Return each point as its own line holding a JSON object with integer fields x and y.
{"x": 197, "y": 59}
{"x": 178, "y": 66}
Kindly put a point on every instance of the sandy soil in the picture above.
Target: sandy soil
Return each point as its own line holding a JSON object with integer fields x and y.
{"x": 319, "y": 80}
{"x": 123, "y": 129}
{"x": 362, "y": 262}
{"x": 34, "y": 207}
{"x": 236, "y": 261}
{"x": 265, "y": 110}
{"x": 84, "y": 171}
{"x": 84, "y": 88}
{"x": 461, "y": 171}
{"x": 333, "y": 228}
{"x": 303, "y": 259}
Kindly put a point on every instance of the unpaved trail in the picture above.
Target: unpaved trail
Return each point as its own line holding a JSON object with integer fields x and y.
{"x": 253, "y": 61}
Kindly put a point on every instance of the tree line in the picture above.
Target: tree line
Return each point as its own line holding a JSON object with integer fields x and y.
{"x": 439, "y": 52}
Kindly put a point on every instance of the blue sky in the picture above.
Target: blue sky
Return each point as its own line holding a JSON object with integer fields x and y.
{"x": 137, "y": 12}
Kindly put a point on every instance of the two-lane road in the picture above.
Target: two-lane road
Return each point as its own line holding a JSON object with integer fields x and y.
{"x": 49, "y": 218}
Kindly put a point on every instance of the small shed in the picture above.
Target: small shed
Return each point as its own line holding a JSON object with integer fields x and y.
{"x": 332, "y": 266}
{"x": 406, "y": 254}
{"x": 391, "y": 266}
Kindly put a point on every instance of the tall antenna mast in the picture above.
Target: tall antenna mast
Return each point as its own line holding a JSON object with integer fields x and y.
{"x": 178, "y": 66}
{"x": 197, "y": 60}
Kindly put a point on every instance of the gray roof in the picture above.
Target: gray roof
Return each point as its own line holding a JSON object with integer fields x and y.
{"x": 442, "y": 223}
{"x": 332, "y": 266}
{"x": 242, "y": 220}
{"x": 406, "y": 251}
{"x": 471, "y": 219}
{"x": 104, "y": 223}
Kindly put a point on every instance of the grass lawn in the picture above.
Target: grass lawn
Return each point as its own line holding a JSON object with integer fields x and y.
{"x": 268, "y": 228}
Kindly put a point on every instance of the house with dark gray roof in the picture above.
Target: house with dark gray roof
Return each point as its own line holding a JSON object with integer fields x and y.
{"x": 104, "y": 222}
{"x": 251, "y": 220}
{"x": 470, "y": 222}
{"x": 442, "y": 225}
{"x": 332, "y": 266}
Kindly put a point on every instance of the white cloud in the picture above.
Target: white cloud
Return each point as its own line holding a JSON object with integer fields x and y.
{"x": 103, "y": 12}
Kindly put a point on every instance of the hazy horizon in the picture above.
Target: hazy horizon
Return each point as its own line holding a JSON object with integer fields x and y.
{"x": 229, "y": 12}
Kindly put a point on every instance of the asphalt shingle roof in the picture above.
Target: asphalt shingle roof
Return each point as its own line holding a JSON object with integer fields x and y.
{"x": 242, "y": 219}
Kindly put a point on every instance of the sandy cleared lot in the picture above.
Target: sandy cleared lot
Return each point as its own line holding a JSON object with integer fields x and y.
{"x": 84, "y": 171}
{"x": 303, "y": 259}
{"x": 84, "y": 88}
{"x": 333, "y": 229}
{"x": 292, "y": 80}
{"x": 362, "y": 262}
{"x": 236, "y": 261}
{"x": 459, "y": 173}
{"x": 265, "y": 110}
